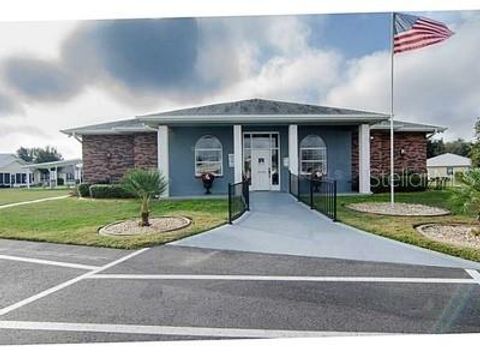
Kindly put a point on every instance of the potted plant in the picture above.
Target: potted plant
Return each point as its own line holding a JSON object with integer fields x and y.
{"x": 316, "y": 178}
{"x": 207, "y": 180}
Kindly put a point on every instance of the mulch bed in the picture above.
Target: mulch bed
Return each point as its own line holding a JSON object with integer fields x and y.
{"x": 456, "y": 234}
{"x": 157, "y": 225}
{"x": 398, "y": 209}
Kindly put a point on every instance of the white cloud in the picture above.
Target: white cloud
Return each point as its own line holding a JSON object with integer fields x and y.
{"x": 437, "y": 84}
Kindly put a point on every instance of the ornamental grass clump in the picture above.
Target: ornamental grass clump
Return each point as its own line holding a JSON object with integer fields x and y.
{"x": 145, "y": 185}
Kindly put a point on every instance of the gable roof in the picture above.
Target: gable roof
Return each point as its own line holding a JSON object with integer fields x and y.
{"x": 448, "y": 159}
{"x": 7, "y": 159}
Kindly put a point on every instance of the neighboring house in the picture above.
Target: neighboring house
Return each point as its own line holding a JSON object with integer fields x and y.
{"x": 52, "y": 174}
{"x": 447, "y": 165}
{"x": 262, "y": 140}
{"x": 12, "y": 173}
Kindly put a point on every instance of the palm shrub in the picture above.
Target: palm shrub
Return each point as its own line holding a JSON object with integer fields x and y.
{"x": 468, "y": 193}
{"x": 144, "y": 184}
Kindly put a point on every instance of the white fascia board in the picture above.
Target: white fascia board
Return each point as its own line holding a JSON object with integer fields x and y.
{"x": 114, "y": 131}
{"x": 276, "y": 119}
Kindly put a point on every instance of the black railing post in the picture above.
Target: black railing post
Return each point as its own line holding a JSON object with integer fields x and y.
{"x": 311, "y": 194}
{"x": 298, "y": 187}
{"x": 246, "y": 194}
{"x": 229, "y": 203}
{"x": 334, "y": 200}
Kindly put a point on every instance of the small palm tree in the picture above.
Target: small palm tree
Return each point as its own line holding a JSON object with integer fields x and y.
{"x": 144, "y": 184}
{"x": 469, "y": 192}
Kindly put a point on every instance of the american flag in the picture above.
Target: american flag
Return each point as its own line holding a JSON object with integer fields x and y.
{"x": 412, "y": 32}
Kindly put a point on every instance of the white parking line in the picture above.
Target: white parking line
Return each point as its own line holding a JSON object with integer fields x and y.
{"x": 171, "y": 330}
{"x": 474, "y": 274}
{"x": 72, "y": 281}
{"x": 47, "y": 262}
{"x": 281, "y": 278}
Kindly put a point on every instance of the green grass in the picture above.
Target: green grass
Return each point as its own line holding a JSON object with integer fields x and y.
{"x": 16, "y": 195}
{"x": 403, "y": 228}
{"x": 76, "y": 221}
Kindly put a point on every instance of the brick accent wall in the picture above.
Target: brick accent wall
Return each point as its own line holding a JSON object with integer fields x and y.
{"x": 145, "y": 150}
{"x": 413, "y": 143}
{"x": 108, "y": 157}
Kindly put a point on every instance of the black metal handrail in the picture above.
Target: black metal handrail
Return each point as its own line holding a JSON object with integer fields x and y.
{"x": 319, "y": 194}
{"x": 238, "y": 200}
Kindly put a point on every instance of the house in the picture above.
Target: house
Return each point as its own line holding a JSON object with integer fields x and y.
{"x": 447, "y": 165}
{"x": 12, "y": 173}
{"x": 56, "y": 173}
{"x": 262, "y": 140}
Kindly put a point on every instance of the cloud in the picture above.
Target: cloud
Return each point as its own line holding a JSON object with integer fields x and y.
{"x": 140, "y": 54}
{"x": 437, "y": 84}
{"x": 7, "y": 104}
{"x": 40, "y": 80}
{"x": 10, "y": 129}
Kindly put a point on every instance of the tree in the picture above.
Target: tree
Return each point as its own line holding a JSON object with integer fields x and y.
{"x": 435, "y": 148}
{"x": 475, "y": 150}
{"x": 458, "y": 147}
{"x": 39, "y": 155}
{"x": 144, "y": 184}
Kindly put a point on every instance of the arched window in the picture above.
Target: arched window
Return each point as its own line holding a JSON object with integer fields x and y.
{"x": 208, "y": 156}
{"x": 313, "y": 155}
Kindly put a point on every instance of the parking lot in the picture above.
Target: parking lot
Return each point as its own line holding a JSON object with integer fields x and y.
{"x": 64, "y": 294}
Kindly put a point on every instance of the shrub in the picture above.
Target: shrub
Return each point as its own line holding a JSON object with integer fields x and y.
{"x": 144, "y": 184}
{"x": 109, "y": 191}
{"x": 469, "y": 192}
{"x": 84, "y": 190}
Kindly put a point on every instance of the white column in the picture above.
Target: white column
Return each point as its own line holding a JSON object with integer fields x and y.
{"x": 162, "y": 154}
{"x": 28, "y": 178}
{"x": 364, "y": 158}
{"x": 293, "y": 148}
{"x": 237, "y": 154}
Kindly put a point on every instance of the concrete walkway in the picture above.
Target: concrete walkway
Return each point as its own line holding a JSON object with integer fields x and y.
{"x": 32, "y": 201}
{"x": 278, "y": 224}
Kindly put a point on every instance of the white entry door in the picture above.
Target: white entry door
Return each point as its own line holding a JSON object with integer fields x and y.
{"x": 261, "y": 169}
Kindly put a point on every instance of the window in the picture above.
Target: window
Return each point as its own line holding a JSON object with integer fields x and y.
{"x": 313, "y": 155}
{"x": 208, "y": 156}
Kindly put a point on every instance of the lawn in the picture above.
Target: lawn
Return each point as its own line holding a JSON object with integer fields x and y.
{"x": 402, "y": 228}
{"x": 76, "y": 221}
{"x": 16, "y": 195}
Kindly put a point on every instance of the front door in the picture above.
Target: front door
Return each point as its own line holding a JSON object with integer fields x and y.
{"x": 261, "y": 169}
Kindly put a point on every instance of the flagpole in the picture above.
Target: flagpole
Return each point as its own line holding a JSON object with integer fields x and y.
{"x": 392, "y": 163}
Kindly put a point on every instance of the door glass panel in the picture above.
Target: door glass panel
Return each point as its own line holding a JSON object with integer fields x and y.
{"x": 275, "y": 169}
{"x": 274, "y": 143}
{"x": 261, "y": 141}
{"x": 247, "y": 141}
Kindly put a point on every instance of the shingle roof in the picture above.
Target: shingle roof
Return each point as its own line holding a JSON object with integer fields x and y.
{"x": 256, "y": 106}
{"x": 7, "y": 159}
{"x": 449, "y": 159}
{"x": 409, "y": 126}
{"x": 125, "y": 125}
{"x": 255, "y": 109}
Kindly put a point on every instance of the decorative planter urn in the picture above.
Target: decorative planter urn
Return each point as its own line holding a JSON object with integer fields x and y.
{"x": 207, "y": 180}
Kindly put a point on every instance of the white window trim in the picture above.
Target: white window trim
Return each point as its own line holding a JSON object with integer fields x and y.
{"x": 324, "y": 149}
{"x": 196, "y": 163}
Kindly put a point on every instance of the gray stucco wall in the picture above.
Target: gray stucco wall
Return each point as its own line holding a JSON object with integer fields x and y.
{"x": 182, "y": 155}
{"x": 339, "y": 152}
{"x": 182, "y": 160}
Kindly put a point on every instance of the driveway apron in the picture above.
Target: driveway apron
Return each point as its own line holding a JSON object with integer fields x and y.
{"x": 278, "y": 224}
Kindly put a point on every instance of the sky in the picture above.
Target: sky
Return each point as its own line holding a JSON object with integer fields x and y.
{"x": 64, "y": 74}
